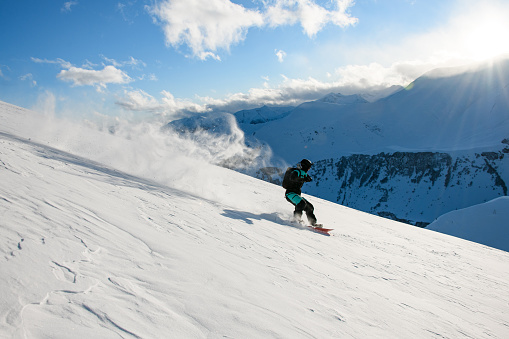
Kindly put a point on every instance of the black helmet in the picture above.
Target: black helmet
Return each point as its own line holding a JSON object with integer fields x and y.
{"x": 305, "y": 164}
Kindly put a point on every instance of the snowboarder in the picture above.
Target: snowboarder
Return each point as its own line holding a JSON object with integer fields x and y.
{"x": 293, "y": 180}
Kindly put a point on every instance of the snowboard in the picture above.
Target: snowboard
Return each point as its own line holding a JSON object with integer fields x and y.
{"x": 318, "y": 228}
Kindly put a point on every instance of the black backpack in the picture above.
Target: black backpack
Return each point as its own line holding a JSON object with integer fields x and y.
{"x": 286, "y": 178}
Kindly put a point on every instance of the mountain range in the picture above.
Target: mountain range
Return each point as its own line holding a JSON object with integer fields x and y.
{"x": 443, "y": 110}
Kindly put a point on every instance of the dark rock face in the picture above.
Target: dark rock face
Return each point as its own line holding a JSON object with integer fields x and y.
{"x": 415, "y": 165}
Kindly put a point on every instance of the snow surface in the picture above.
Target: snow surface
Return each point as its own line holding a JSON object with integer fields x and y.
{"x": 159, "y": 248}
{"x": 486, "y": 223}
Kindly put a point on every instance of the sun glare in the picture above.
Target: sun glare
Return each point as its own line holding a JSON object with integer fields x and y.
{"x": 488, "y": 38}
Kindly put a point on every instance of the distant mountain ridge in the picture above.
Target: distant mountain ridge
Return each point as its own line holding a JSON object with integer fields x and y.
{"x": 262, "y": 115}
{"x": 465, "y": 111}
{"x": 340, "y": 99}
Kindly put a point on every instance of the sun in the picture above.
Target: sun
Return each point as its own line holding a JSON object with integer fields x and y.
{"x": 487, "y": 38}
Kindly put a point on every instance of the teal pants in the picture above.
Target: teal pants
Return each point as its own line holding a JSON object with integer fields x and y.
{"x": 301, "y": 205}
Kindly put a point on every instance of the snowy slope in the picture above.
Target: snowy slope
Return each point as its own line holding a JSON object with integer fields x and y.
{"x": 91, "y": 251}
{"x": 486, "y": 223}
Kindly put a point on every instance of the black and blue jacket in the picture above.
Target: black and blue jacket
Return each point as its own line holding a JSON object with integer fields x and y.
{"x": 297, "y": 178}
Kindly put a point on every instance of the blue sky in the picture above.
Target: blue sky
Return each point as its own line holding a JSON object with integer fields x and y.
{"x": 172, "y": 56}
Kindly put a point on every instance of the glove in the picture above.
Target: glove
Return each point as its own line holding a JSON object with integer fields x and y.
{"x": 308, "y": 179}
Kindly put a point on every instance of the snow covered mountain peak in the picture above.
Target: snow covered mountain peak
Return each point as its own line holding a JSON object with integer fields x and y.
{"x": 262, "y": 114}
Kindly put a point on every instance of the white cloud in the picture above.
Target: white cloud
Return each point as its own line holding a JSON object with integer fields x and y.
{"x": 346, "y": 80}
{"x": 375, "y": 74}
{"x": 311, "y": 16}
{"x": 82, "y": 77}
{"x": 67, "y": 6}
{"x": 89, "y": 65}
{"x": 150, "y": 77}
{"x": 86, "y": 76}
{"x": 289, "y": 92}
{"x": 58, "y": 61}
{"x": 353, "y": 79}
{"x": 173, "y": 104}
{"x": 130, "y": 62}
{"x": 127, "y": 11}
{"x": 139, "y": 101}
{"x": 30, "y": 78}
{"x": 204, "y": 25}
{"x": 207, "y": 26}
{"x": 280, "y": 55}
{"x": 2, "y": 76}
